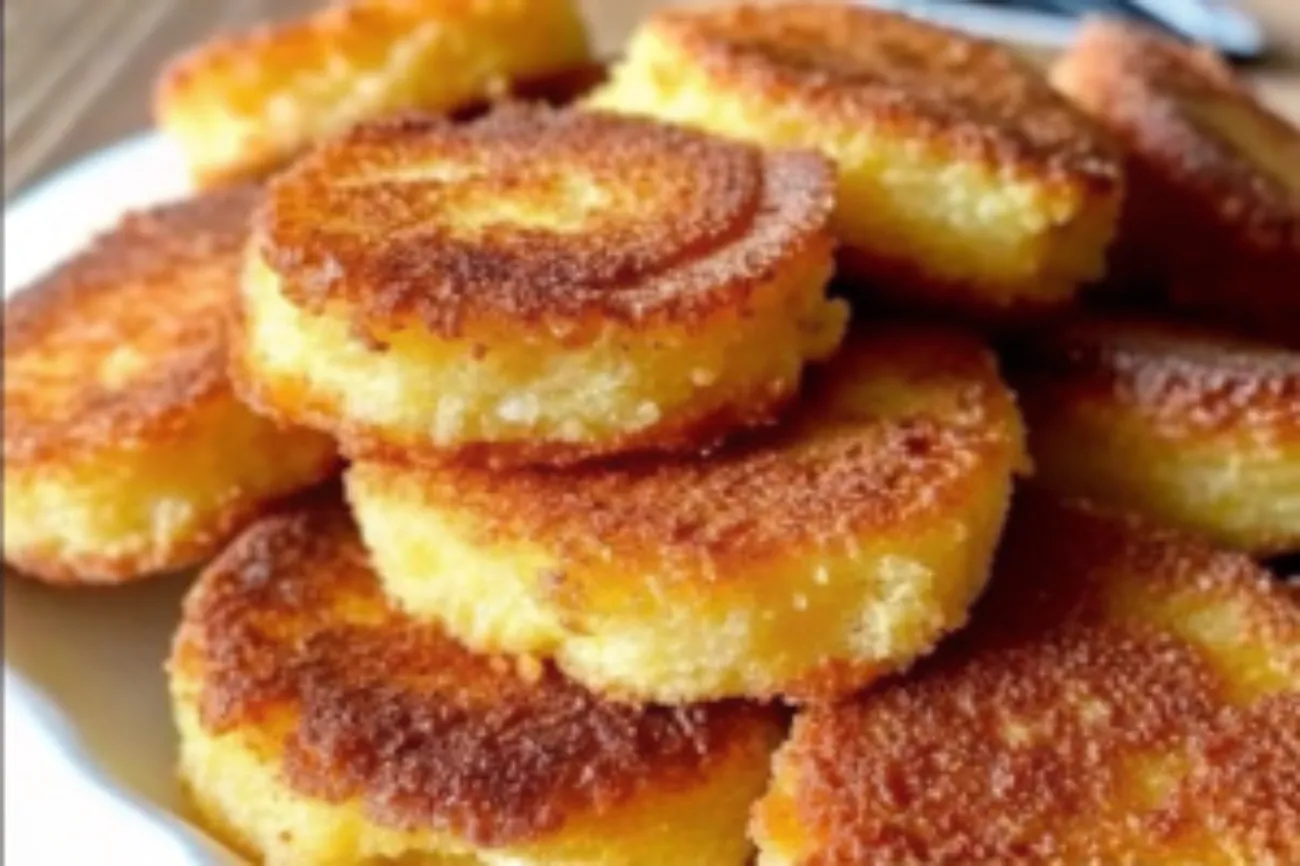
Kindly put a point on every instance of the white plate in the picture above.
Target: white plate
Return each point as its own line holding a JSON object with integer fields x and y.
{"x": 88, "y": 744}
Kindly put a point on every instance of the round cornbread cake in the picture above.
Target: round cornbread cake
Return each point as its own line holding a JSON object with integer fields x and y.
{"x": 1212, "y": 215}
{"x": 125, "y": 450}
{"x": 1123, "y": 695}
{"x": 804, "y": 561}
{"x": 537, "y": 286}
{"x": 240, "y": 106}
{"x": 1195, "y": 428}
{"x": 965, "y": 181}
{"x": 320, "y": 726}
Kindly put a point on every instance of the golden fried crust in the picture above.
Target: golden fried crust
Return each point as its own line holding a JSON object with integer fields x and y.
{"x": 125, "y": 450}
{"x": 851, "y": 65}
{"x": 290, "y": 623}
{"x": 478, "y": 225}
{"x": 1190, "y": 426}
{"x": 868, "y": 516}
{"x": 243, "y": 105}
{"x": 1213, "y": 212}
{"x": 124, "y": 341}
{"x": 1122, "y": 695}
{"x": 842, "y": 463}
{"x": 1188, "y": 383}
{"x": 538, "y": 286}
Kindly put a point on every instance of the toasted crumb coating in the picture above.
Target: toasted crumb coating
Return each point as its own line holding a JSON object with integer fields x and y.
{"x": 537, "y": 286}
{"x": 243, "y": 105}
{"x": 125, "y": 449}
{"x": 965, "y": 182}
{"x": 1197, "y": 429}
{"x": 1123, "y": 695}
{"x": 321, "y": 726}
{"x": 805, "y": 561}
{"x": 1212, "y": 216}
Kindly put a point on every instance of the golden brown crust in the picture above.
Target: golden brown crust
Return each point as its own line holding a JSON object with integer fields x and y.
{"x": 279, "y": 86}
{"x": 1210, "y": 213}
{"x": 419, "y": 219}
{"x": 124, "y": 342}
{"x": 837, "y": 466}
{"x": 1187, "y": 381}
{"x": 1014, "y": 743}
{"x": 290, "y": 620}
{"x": 853, "y": 65}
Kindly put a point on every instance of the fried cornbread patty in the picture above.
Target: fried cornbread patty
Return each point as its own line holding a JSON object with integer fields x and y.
{"x": 1213, "y": 212}
{"x": 320, "y": 726}
{"x": 964, "y": 180}
{"x": 1123, "y": 695}
{"x": 1195, "y": 428}
{"x": 240, "y": 106}
{"x": 537, "y": 286}
{"x": 125, "y": 450}
{"x": 806, "y": 560}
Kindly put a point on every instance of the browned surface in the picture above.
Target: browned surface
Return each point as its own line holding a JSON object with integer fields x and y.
{"x": 291, "y": 623}
{"x": 889, "y": 437}
{"x": 79, "y": 75}
{"x": 1213, "y": 213}
{"x": 1106, "y": 654}
{"x": 1188, "y": 383}
{"x": 850, "y": 66}
{"x": 690, "y": 226}
{"x": 123, "y": 342}
{"x": 286, "y": 85}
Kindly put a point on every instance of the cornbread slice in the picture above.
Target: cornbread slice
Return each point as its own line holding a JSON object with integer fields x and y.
{"x": 965, "y": 182}
{"x": 240, "y": 106}
{"x": 1194, "y": 428}
{"x": 320, "y": 726}
{"x": 1123, "y": 695}
{"x": 125, "y": 450}
{"x": 537, "y": 286}
{"x": 1213, "y": 211}
{"x": 805, "y": 561}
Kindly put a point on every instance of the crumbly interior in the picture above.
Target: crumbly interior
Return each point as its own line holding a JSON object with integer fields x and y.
{"x": 422, "y": 390}
{"x": 951, "y": 229}
{"x": 156, "y": 506}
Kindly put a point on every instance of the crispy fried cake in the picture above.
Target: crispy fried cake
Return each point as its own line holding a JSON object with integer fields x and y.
{"x": 536, "y": 286}
{"x": 804, "y": 561}
{"x": 125, "y": 450}
{"x": 321, "y": 726}
{"x": 243, "y": 105}
{"x": 1212, "y": 216}
{"x": 965, "y": 182}
{"x": 1195, "y": 428}
{"x": 1123, "y": 695}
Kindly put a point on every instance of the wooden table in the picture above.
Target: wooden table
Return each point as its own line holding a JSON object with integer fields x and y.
{"x": 78, "y": 73}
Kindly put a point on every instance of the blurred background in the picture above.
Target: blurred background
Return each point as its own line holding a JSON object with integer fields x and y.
{"x": 78, "y": 73}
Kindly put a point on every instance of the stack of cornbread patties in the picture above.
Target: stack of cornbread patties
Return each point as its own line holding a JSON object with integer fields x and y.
{"x": 566, "y": 354}
{"x": 626, "y": 486}
{"x": 624, "y": 480}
